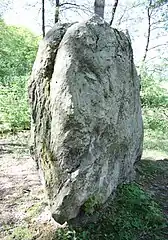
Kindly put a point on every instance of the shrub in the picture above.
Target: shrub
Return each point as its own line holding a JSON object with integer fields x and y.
{"x": 154, "y": 101}
{"x": 152, "y": 95}
{"x": 18, "y": 48}
{"x": 14, "y": 109}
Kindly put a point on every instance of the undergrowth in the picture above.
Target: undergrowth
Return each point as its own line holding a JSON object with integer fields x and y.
{"x": 18, "y": 47}
{"x": 154, "y": 99}
{"x": 14, "y": 107}
{"x": 21, "y": 233}
{"x": 132, "y": 215}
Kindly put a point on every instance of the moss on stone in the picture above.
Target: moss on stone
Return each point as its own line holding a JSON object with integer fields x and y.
{"x": 92, "y": 204}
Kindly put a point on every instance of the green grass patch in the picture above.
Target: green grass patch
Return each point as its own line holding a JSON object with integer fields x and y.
{"x": 154, "y": 168}
{"x": 131, "y": 215}
{"x": 156, "y": 140}
{"x": 151, "y": 172}
{"x": 34, "y": 210}
{"x": 21, "y": 233}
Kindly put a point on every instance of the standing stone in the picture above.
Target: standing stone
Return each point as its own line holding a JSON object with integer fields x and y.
{"x": 86, "y": 115}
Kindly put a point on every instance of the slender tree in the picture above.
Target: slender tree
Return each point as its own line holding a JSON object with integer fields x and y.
{"x": 99, "y": 7}
{"x": 57, "y": 6}
{"x": 113, "y": 11}
{"x": 149, "y": 14}
{"x": 43, "y": 17}
{"x": 157, "y": 19}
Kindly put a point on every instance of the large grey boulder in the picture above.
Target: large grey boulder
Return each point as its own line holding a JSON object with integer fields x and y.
{"x": 86, "y": 115}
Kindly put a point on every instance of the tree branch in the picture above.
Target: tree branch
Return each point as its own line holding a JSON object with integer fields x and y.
{"x": 67, "y": 3}
{"x": 113, "y": 11}
{"x": 159, "y": 45}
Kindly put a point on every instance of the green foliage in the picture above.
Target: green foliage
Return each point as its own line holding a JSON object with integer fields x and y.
{"x": 92, "y": 204}
{"x": 156, "y": 120}
{"x": 155, "y": 104}
{"x": 18, "y": 48}
{"x": 133, "y": 213}
{"x": 21, "y": 233}
{"x": 14, "y": 110}
{"x": 152, "y": 95}
{"x": 70, "y": 234}
{"x": 158, "y": 3}
{"x": 154, "y": 100}
{"x": 34, "y": 210}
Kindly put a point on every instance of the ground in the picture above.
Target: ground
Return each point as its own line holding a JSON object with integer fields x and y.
{"x": 23, "y": 206}
{"x": 152, "y": 175}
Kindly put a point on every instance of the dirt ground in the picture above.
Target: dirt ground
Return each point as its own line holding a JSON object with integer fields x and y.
{"x": 24, "y": 212}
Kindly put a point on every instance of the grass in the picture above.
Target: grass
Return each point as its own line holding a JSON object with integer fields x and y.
{"x": 21, "y": 233}
{"x": 155, "y": 144}
{"x": 132, "y": 215}
{"x": 34, "y": 210}
{"x": 152, "y": 168}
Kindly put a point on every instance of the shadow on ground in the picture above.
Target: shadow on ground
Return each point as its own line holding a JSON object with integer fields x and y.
{"x": 153, "y": 176}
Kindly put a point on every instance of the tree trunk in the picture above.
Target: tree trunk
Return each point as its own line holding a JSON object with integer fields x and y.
{"x": 149, "y": 13}
{"x": 99, "y": 7}
{"x": 57, "y": 5}
{"x": 43, "y": 18}
{"x": 113, "y": 11}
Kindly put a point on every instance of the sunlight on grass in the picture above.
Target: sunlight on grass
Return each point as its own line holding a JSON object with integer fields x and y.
{"x": 152, "y": 154}
{"x": 155, "y": 145}
{"x": 21, "y": 233}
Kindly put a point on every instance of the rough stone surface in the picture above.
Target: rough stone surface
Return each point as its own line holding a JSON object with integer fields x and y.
{"x": 86, "y": 116}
